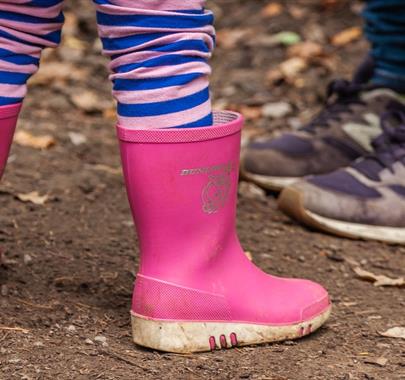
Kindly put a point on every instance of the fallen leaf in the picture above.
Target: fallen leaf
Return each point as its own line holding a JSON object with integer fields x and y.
{"x": 25, "y": 138}
{"x": 274, "y": 75}
{"x": 229, "y": 38}
{"x": 394, "y": 332}
{"x": 381, "y": 361}
{"x": 51, "y": 72}
{"x": 287, "y": 70}
{"x": 297, "y": 12}
{"x": 272, "y": 10}
{"x": 249, "y": 255}
{"x": 293, "y": 66}
{"x": 33, "y": 197}
{"x": 110, "y": 113}
{"x": 349, "y": 304}
{"x": 74, "y": 43}
{"x": 346, "y": 36}
{"x": 87, "y": 101}
{"x": 329, "y": 63}
{"x": 379, "y": 280}
{"x": 305, "y": 50}
{"x": 107, "y": 169}
{"x": 17, "y": 329}
{"x": 287, "y": 38}
{"x": 71, "y": 24}
{"x": 249, "y": 112}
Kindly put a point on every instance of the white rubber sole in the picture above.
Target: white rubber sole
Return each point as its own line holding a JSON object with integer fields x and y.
{"x": 362, "y": 231}
{"x": 291, "y": 203}
{"x": 188, "y": 337}
{"x": 269, "y": 183}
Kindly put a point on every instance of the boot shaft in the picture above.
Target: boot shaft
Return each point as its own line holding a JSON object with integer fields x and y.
{"x": 8, "y": 121}
{"x": 182, "y": 185}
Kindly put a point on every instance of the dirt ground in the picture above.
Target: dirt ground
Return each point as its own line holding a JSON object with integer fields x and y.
{"x": 68, "y": 265}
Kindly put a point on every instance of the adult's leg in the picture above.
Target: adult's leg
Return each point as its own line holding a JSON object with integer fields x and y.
{"x": 159, "y": 51}
{"x": 26, "y": 28}
{"x": 385, "y": 29}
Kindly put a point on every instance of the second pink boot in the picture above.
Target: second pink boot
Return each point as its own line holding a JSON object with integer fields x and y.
{"x": 196, "y": 290}
{"x": 8, "y": 121}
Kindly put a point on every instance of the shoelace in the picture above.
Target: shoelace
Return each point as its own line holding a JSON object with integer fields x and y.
{"x": 389, "y": 147}
{"x": 340, "y": 95}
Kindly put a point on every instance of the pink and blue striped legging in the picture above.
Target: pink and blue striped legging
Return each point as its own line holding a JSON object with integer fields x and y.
{"x": 158, "y": 48}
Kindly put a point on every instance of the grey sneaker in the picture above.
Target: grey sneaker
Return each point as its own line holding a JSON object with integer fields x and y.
{"x": 341, "y": 133}
{"x": 365, "y": 200}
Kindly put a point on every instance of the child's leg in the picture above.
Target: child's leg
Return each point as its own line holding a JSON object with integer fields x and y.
{"x": 182, "y": 188}
{"x": 159, "y": 51}
{"x": 26, "y": 28}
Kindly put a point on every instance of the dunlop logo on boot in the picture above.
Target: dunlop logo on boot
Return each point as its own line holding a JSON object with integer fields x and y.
{"x": 216, "y": 192}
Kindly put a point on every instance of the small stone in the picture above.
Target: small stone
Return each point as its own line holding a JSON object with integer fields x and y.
{"x": 4, "y": 290}
{"x": 77, "y": 138}
{"x": 88, "y": 341}
{"x": 251, "y": 191}
{"x": 71, "y": 328}
{"x": 27, "y": 259}
{"x": 38, "y": 344}
{"x": 100, "y": 339}
{"x": 276, "y": 110}
{"x": 289, "y": 343}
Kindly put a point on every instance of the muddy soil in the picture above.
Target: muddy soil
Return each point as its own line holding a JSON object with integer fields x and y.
{"x": 68, "y": 265}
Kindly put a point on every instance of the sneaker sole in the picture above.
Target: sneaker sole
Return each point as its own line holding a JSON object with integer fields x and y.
{"x": 291, "y": 202}
{"x": 188, "y": 337}
{"x": 269, "y": 183}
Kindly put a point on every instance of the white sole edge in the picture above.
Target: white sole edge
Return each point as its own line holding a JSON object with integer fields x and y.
{"x": 270, "y": 183}
{"x": 363, "y": 231}
{"x": 187, "y": 337}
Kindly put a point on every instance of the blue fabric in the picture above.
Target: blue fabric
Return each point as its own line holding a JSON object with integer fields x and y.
{"x": 385, "y": 29}
{"x": 175, "y": 23}
{"x": 165, "y": 107}
{"x": 178, "y": 22}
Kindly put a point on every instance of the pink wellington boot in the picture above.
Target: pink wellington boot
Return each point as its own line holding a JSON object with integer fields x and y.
{"x": 196, "y": 290}
{"x": 8, "y": 121}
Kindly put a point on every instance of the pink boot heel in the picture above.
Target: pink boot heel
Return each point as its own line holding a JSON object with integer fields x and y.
{"x": 8, "y": 121}
{"x": 196, "y": 290}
